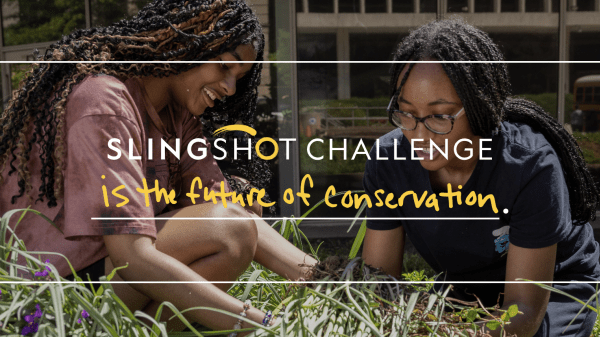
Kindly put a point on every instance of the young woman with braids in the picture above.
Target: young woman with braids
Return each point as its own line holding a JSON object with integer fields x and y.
{"x": 542, "y": 189}
{"x": 54, "y": 156}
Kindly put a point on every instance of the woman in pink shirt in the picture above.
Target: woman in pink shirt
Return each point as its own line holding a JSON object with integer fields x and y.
{"x": 75, "y": 132}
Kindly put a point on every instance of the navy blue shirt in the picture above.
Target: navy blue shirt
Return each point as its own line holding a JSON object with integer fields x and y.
{"x": 524, "y": 176}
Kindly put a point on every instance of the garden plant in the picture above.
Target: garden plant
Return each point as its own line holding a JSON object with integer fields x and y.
{"x": 340, "y": 297}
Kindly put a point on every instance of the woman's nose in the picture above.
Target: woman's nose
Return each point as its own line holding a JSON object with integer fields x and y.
{"x": 421, "y": 132}
{"x": 228, "y": 85}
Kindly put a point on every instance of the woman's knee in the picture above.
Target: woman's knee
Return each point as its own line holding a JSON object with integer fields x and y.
{"x": 240, "y": 230}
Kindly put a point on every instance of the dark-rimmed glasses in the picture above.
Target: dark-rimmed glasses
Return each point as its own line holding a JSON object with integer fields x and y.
{"x": 438, "y": 124}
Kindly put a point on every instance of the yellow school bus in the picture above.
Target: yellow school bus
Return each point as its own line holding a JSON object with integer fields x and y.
{"x": 587, "y": 98}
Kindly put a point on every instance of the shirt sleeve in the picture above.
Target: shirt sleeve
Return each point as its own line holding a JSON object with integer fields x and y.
{"x": 89, "y": 170}
{"x": 373, "y": 181}
{"x": 541, "y": 214}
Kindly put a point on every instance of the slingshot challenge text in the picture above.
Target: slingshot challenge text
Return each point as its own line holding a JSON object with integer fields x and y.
{"x": 348, "y": 200}
{"x": 361, "y": 149}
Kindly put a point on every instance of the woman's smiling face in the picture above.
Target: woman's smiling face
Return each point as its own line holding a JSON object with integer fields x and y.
{"x": 429, "y": 91}
{"x": 199, "y": 87}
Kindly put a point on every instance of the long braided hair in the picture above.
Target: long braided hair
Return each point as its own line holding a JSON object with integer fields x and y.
{"x": 485, "y": 92}
{"x": 164, "y": 30}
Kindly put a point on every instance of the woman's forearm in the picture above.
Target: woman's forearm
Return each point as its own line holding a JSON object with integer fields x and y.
{"x": 278, "y": 254}
{"x": 524, "y": 324}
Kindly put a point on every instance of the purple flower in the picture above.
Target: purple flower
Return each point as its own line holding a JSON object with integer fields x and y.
{"x": 45, "y": 272}
{"x": 84, "y": 314}
{"x": 32, "y": 324}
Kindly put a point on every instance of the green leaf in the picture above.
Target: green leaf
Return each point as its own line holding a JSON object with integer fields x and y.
{"x": 359, "y": 240}
{"x": 513, "y": 310}
{"x": 492, "y": 325}
{"x": 504, "y": 317}
{"x": 471, "y": 315}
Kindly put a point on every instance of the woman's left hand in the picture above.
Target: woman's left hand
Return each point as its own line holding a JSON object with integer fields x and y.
{"x": 535, "y": 264}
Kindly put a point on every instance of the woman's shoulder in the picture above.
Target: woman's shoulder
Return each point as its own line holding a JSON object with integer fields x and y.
{"x": 100, "y": 95}
{"x": 522, "y": 136}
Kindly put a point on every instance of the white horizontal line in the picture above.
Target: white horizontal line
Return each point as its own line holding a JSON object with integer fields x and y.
{"x": 306, "y": 62}
{"x": 320, "y": 219}
{"x": 296, "y": 282}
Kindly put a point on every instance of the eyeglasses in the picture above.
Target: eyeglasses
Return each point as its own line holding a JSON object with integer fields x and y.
{"x": 438, "y": 124}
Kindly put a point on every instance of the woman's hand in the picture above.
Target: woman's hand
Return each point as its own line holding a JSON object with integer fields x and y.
{"x": 532, "y": 300}
{"x": 385, "y": 249}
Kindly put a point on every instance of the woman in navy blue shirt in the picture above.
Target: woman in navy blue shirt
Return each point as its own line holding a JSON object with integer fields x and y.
{"x": 544, "y": 197}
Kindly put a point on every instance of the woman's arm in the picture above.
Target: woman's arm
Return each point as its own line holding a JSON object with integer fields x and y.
{"x": 531, "y": 264}
{"x": 385, "y": 249}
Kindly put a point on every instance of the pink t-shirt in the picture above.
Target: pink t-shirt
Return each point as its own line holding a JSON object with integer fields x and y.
{"x": 100, "y": 108}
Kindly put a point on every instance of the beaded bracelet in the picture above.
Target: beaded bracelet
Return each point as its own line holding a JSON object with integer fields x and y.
{"x": 268, "y": 317}
{"x": 238, "y": 325}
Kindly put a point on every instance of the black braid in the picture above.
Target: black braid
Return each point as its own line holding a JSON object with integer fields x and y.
{"x": 164, "y": 30}
{"x": 485, "y": 92}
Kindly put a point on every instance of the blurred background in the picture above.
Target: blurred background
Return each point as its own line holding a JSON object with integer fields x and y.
{"x": 347, "y": 101}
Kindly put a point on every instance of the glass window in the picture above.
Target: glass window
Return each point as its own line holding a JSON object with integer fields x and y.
{"x": 349, "y": 6}
{"x": 555, "y": 6}
{"x": 534, "y": 5}
{"x": 587, "y": 96}
{"x": 458, "y": 6}
{"x": 509, "y": 5}
{"x": 317, "y": 81}
{"x": 371, "y": 80}
{"x": 596, "y": 95}
{"x": 299, "y": 6}
{"x": 579, "y": 95}
{"x": 403, "y": 6}
{"x": 484, "y": 6}
{"x": 375, "y": 6}
{"x": 530, "y": 79}
{"x": 30, "y": 21}
{"x": 428, "y": 6}
{"x": 320, "y": 6}
{"x": 585, "y": 5}
{"x": 584, "y": 46}
{"x": 106, "y": 12}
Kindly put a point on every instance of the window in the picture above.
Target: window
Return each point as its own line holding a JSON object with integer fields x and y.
{"x": 579, "y": 95}
{"x": 534, "y": 5}
{"x": 587, "y": 96}
{"x": 585, "y": 5}
{"x": 509, "y": 5}
{"x": 484, "y": 6}
{"x": 371, "y": 80}
{"x": 349, "y": 6}
{"x": 458, "y": 6}
{"x": 317, "y": 81}
{"x": 320, "y": 6}
{"x": 375, "y": 6}
{"x": 428, "y": 6}
{"x": 402, "y": 6}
